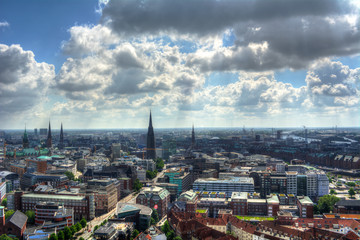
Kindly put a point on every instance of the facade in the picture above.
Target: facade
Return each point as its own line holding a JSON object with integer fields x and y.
{"x": 311, "y": 184}
{"x": 52, "y": 215}
{"x": 30, "y": 179}
{"x": 305, "y": 206}
{"x": 323, "y": 184}
{"x": 38, "y": 164}
{"x": 238, "y": 203}
{"x": 301, "y": 185}
{"x": 155, "y": 197}
{"x": 2, "y": 190}
{"x": 182, "y": 179}
{"x": 229, "y": 185}
{"x": 15, "y": 225}
{"x": 291, "y": 182}
{"x": 136, "y": 213}
{"x": 105, "y": 193}
{"x": 116, "y": 150}
{"x": 84, "y": 206}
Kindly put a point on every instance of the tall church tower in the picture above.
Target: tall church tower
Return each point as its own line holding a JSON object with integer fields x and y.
{"x": 49, "y": 140}
{"x": 150, "y": 141}
{"x": 61, "y": 144}
{"x": 25, "y": 139}
{"x": 193, "y": 137}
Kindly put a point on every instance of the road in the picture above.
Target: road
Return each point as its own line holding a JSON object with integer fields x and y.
{"x": 98, "y": 220}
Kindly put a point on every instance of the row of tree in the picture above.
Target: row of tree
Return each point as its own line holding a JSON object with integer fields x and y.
{"x": 69, "y": 232}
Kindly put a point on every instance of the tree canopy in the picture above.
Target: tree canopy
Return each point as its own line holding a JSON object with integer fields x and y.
{"x": 9, "y": 213}
{"x": 31, "y": 216}
{"x": 70, "y": 175}
{"x": 137, "y": 185}
{"x": 351, "y": 192}
{"x": 327, "y": 202}
{"x": 159, "y": 163}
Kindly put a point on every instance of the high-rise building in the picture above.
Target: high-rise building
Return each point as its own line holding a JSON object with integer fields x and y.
{"x": 301, "y": 185}
{"x": 150, "y": 143}
{"x": 61, "y": 143}
{"x": 49, "y": 140}
{"x": 311, "y": 185}
{"x": 323, "y": 184}
{"x": 291, "y": 185}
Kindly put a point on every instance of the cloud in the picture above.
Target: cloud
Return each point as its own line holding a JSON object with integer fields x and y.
{"x": 4, "y": 24}
{"x": 205, "y": 17}
{"x": 23, "y": 81}
{"x": 333, "y": 84}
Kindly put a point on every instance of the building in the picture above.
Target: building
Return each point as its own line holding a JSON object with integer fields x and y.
{"x": 49, "y": 138}
{"x": 347, "y": 206}
{"x": 25, "y": 140}
{"x": 61, "y": 142}
{"x": 238, "y": 203}
{"x": 305, "y": 206}
{"x": 116, "y": 150}
{"x": 2, "y": 191}
{"x": 213, "y": 205}
{"x": 323, "y": 184}
{"x": 190, "y": 199}
{"x": 105, "y": 193}
{"x": 139, "y": 214}
{"x": 30, "y": 179}
{"x": 125, "y": 186}
{"x": 150, "y": 141}
{"x": 291, "y": 186}
{"x": 155, "y": 197}
{"x": 38, "y": 164}
{"x": 84, "y": 206}
{"x": 15, "y": 225}
{"x": 52, "y": 215}
{"x": 311, "y": 184}
{"x": 228, "y": 185}
{"x": 113, "y": 231}
{"x": 301, "y": 185}
{"x": 182, "y": 179}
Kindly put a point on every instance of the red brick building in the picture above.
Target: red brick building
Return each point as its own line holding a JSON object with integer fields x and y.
{"x": 155, "y": 197}
{"x": 14, "y": 225}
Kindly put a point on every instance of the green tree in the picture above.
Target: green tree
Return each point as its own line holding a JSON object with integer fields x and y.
{"x": 170, "y": 235}
{"x": 61, "y": 235}
{"x": 73, "y": 229}
{"x": 137, "y": 185}
{"x": 159, "y": 164}
{"x": 4, "y": 202}
{"x": 151, "y": 174}
{"x": 81, "y": 238}
{"x": 177, "y": 238}
{"x": 31, "y": 216}
{"x": 70, "y": 175}
{"x": 351, "y": 192}
{"x": 155, "y": 215}
{"x": 134, "y": 234}
{"x": 83, "y": 222}
{"x": 9, "y": 213}
{"x": 166, "y": 227}
{"x": 316, "y": 209}
{"x": 96, "y": 228}
{"x": 327, "y": 202}
{"x": 53, "y": 236}
{"x": 78, "y": 227}
{"x": 351, "y": 184}
{"x": 332, "y": 192}
{"x": 67, "y": 233}
{"x": 5, "y": 237}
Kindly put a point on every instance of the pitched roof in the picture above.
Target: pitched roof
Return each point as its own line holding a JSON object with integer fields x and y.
{"x": 18, "y": 219}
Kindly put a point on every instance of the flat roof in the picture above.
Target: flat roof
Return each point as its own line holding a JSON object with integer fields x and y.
{"x": 52, "y": 196}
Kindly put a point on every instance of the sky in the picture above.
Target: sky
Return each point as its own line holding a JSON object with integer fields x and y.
{"x": 211, "y": 63}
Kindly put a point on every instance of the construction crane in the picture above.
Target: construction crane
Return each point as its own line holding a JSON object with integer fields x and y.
{"x": 151, "y": 149}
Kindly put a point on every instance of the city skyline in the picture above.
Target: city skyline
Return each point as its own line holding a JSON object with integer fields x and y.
{"x": 105, "y": 64}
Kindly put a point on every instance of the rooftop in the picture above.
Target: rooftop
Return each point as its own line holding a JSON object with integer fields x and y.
{"x": 227, "y": 180}
{"x": 53, "y": 196}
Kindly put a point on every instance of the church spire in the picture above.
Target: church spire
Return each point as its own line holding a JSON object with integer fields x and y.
{"x": 61, "y": 144}
{"x": 193, "y": 137}
{"x": 25, "y": 139}
{"x": 49, "y": 139}
{"x": 150, "y": 141}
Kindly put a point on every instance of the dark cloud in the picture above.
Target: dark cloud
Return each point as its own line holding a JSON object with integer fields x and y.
{"x": 202, "y": 17}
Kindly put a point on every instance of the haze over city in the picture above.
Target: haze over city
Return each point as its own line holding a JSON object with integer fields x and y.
{"x": 105, "y": 64}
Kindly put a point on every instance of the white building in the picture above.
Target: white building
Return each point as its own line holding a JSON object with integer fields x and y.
{"x": 2, "y": 190}
{"x": 311, "y": 184}
{"x": 227, "y": 185}
{"x": 323, "y": 184}
{"x": 141, "y": 174}
{"x": 291, "y": 178}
